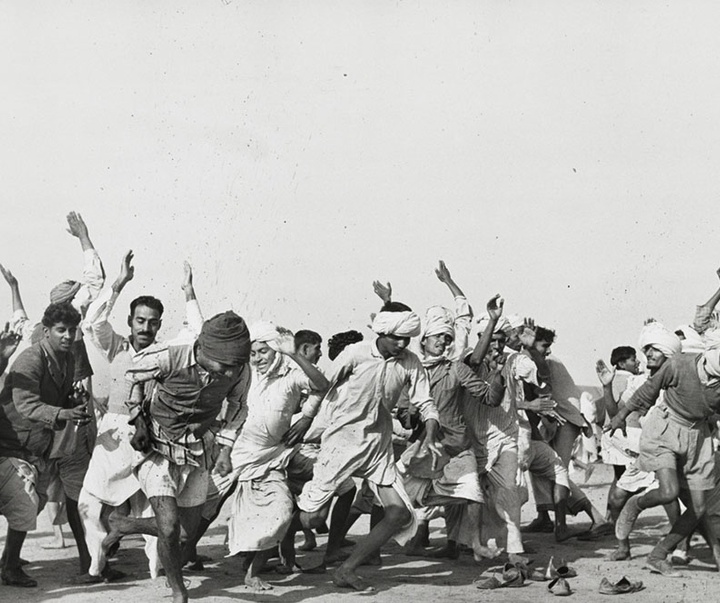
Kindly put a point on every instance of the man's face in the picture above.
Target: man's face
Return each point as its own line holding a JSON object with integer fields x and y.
{"x": 655, "y": 358}
{"x": 497, "y": 345}
{"x": 261, "y": 356}
{"x": 392, "y": 345}
{"x": 544, "y": 347}
{"x": 311, "y": 352}
{"x": 217, "y": 370}
{"x": 60, "y": 336}
{"x": 435, "y": 345}
{"x": 631, "y": 365}
{"x": 144, "y": 325}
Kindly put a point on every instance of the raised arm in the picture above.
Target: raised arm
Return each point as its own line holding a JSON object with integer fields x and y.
{"x": 97, "y": 319}
{"x": 20, "y": 322}
{"x": 703, "y": 313}
{"x": 193, "y": 313}
{"x": 93, "y": 276}
{"x": 606, "y": 377}
{"x": 494, "y": 309}
{"x": 443, "y": 275}
{"x": 463, "y": 313}
{"x": 384, "y": 292}
{"x": 286, "y": 345}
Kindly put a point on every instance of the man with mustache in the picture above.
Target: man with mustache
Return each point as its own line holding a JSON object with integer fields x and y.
{"x": 109, "y": 481}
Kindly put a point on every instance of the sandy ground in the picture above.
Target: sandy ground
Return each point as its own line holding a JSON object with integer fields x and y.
{"x": 401, "y": 579}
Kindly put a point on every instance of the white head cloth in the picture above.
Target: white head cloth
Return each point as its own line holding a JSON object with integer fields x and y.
{"x": 502, "y": 325}
{"x": 438, "y": 321}
{"x": 656, "y": 335}
{"x": 264, "y": 332}
{"x": 693, "y": 342}
{"x": 400, "y": 324}
{"x": 514, "y": 321}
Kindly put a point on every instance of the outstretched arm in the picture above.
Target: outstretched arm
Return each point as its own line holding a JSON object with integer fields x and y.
{"x": 93, "y": 276}
{"x": 704, "y": 312}
{"x": 443, "y": 275}
{"x": 193, "y": 313}
{"x": 494, "y": 310}
{"x": 606, "y": 377}
{"x": 384, "y": 292}
{"x": 286, "y": 345}
{"x": 12, "y": 282}
{"x": 463, "y": 313}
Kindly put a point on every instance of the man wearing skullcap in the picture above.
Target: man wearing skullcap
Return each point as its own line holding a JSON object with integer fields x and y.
{"x": 675, "y": 442}
{"x": 366, "y": 382}
{"x": 178, "y": 390}
{"x": 110, "y": 480}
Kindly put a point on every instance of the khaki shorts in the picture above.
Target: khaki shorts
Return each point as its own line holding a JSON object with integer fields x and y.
{"x": 670, "y": 442}
{"x": 185, "y": 483}
{"x": 19, "y": 502}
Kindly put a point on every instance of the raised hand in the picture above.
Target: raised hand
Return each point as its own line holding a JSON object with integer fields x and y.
{"x": 8, "y": 342}
{"x": 284, "y": 342}
{"x": 187, "y": 276}
{"x": 495, "y": 307}
{"x": 8, "y": 276}
{"x": 384, "y": 292}
{"x": 605, "y": 374}
{"x": 127, "y": 270}
{"x": 76, "y": 225}
{"x": 443, "y": 273}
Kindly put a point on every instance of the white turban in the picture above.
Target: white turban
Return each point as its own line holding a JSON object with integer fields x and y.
{"x": 693, "y": 342}
{"x": 400, "y": 324}
{"x": 264, "y": 332}
{"x": 656, "y": 335}
{"x": 439, "y": 321}
{"x": 514, "y": 321}
{"x": 502, "y": 325}
{"x": 712, "y": 362}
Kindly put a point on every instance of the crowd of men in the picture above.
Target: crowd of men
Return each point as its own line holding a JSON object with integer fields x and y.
{"x": 409, "y": 425}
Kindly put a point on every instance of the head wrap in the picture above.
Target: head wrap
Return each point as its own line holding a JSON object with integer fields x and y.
{"x": 656, "y": 335}
{"x": 400, "y": 324}
{"x": 712, "y": 362}
{"x": 693, "y": 342}
{"x": 64, "y": 292}
{"x": 264, "y": 332}
{"x": 438, "y": 321}
{"x": 502, "y": 325}
{"x": 225, "y": 339}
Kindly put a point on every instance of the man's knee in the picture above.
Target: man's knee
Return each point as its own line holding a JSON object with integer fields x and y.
{"x": 399, "y": 515}
{"x": 668, "y": 491}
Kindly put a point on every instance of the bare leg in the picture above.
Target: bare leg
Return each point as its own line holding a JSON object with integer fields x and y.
{"x": 252, "y": 577}
{"x": 560, "y": 496}
{"x": 396, "y": 515}
{"x": 79, "y": 534}
{"x": 11, "y": 571}
{"x": 339, "y": 524}
{"x": 167, "y": 517}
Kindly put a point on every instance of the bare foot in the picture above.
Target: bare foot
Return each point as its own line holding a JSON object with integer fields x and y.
{"x": 335, "y": 558}
{"x": 621, "y": 553}
{"x": 310, "y": 543}
{"x": 257, "y": 584}
{"x": 415, "y": 550}
{"x": 517, "y": 558}
{"x": 373, "y": 560}
{"x": 483, "y": 552}
{"x": 347, "y": 578}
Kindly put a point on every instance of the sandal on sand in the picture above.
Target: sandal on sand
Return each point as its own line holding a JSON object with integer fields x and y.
{"x": 559, "y": 587}
{"x": 621, "y": 587}
{"x": 509, "y": 580}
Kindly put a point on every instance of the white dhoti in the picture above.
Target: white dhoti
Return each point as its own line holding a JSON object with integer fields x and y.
{"x": 261, "y": 511}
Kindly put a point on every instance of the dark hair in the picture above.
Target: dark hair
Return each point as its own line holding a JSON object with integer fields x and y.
{"x": 304, "y": 336}
{"x": 61, "y": 313}
{"x": 147, "y": 300}
{"x": 543, "y": 334}
{"x": 393, "y": 306}
{"x": 338, "y": 342}
{"x": 624, "y": 352}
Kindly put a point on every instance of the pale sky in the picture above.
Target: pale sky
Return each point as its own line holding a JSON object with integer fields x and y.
{"x": 563, "y": 154}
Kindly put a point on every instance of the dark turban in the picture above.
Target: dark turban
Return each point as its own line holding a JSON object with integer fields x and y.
{"x": 225, "y": 339}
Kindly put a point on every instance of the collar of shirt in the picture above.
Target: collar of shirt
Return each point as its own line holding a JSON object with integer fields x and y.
{"x": 57, "y": 362}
